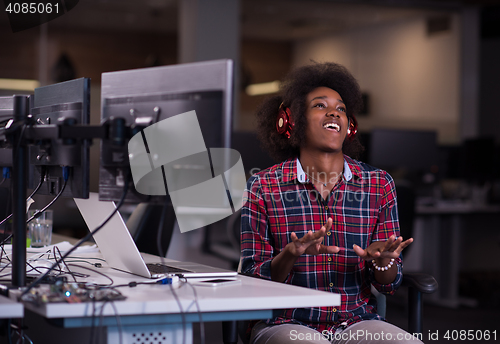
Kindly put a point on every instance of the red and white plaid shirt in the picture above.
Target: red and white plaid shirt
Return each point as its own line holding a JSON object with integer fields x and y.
{"x": 281, "y": 200}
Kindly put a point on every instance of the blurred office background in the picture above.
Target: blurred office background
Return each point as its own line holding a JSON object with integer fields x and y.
{"x": 428, "y": 71}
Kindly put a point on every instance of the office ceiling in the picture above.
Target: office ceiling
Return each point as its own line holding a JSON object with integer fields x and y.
{"x": 261, "y": 19}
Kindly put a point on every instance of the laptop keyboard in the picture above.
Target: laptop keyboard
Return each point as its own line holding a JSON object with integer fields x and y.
{"x": 157, "y": 268}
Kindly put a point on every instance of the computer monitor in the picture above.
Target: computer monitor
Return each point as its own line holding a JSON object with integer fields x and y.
{"x": 6, "y": 108}
{"x": 414, "y": 151}
{"x": 6, "y": 113}
{"x": 65, "y": 102}
{"x": 149, "y": 95}
{"x": 479, "y": 160}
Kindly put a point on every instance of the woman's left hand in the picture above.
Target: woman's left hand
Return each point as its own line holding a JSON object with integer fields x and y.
{"x": 391, "y": 248}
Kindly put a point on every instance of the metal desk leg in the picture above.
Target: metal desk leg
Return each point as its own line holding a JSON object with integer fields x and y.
{"x": 442, "y": 259}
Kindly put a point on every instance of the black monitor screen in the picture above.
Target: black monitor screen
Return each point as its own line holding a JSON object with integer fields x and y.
{"x": 6, "y": 108}
{"x": 478, "y": 160}
{"x": 6, "y": 113}
{"x": 411, "y": 150}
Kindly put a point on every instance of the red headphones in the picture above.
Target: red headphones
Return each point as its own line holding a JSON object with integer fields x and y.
{"x": 353, "y": 128}
{"x": 284, "y": 123}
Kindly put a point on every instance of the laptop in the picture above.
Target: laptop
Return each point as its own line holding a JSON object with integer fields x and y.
{"x": 119, "y": 249}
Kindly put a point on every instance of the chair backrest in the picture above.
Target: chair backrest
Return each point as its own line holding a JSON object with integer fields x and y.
{"x": 144, "y": 225}
{"x": 381, "y": 302}
{"x": 406, "y": 208}
{"x": 253, "y": 156}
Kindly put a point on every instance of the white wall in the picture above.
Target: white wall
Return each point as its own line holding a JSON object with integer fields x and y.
{"x": 412, "y": 79}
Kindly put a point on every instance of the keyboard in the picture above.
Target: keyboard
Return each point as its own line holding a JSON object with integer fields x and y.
{"x": 157, "y": 268}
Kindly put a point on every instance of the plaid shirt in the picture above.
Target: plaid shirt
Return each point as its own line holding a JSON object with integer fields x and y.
{"x": 281, "y": 200}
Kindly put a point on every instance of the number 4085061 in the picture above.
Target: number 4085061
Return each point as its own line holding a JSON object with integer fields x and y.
{"x": 32, "y": 7}
{"x": 473, "y": 335}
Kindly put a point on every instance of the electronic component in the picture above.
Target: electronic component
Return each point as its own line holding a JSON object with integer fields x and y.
{"x": 71, "y": 293}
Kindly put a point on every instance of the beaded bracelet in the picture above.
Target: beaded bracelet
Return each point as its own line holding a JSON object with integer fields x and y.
{"x": 382, "y": 268}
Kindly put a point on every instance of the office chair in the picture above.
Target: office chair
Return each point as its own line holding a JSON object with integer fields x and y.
{"x": 406, "y": 209}
{"x": 417, "y": 283}
{"x": 143, "y": 224}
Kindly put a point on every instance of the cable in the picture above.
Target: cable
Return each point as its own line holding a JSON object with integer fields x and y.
{"x": 65, "y": 177}
{"x": 162, "y": 258}
{"x": 95, "y": 271}
{"x": 42, "y": 178}
{"x": 7, "y": 208}
{"x": 86, "y": 238}
{"x": 6, "y": 172}
{"x": 56, "y": 249}
{"x": 202, "y": 324}
{"x": 101, "y": 318}
{"x": 95, "y": 333}
{"x": 94, "y": 258}
{"x": 73, "y": 260}
{"x": 183, "y": 316}
{"x": 20, "y": 333}
{"x": 5, "y": 240}
{"x": 43, "y": 170}
{"x": 118, "y": 322}
{"x": 92, "y": 325}
{"x": 160, "y": 230}
{"x": 162, "y": 218}
{"x": 9, "y": 331}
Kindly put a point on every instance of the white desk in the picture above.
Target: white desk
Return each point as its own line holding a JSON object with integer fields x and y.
{"x": 457, "y": 208}
{"x": 440, "y": 233}
{"x": 153, "y": 310}
{"x": 10, "y": 309}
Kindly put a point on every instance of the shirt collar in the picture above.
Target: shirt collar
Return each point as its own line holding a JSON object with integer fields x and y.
{"x": 302, "y": 177}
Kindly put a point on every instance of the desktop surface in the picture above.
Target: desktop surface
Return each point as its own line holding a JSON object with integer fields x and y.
{"x": 168, "y": 309}
{"x": 10, "y": 308}
{"x": 252, "y": 294}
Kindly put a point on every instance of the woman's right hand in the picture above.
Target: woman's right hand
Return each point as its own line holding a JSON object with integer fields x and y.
{"x": 311, "y": 243}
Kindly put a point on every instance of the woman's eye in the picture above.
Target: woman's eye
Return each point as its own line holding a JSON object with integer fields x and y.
{"x": 320, "y": 105}
{"x": 342, "y": 109}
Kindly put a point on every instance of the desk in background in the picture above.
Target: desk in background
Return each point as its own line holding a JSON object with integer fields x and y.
{"x": 439, "y": 235}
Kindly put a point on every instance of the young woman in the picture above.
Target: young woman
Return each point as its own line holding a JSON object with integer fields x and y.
{"x": 321, "y": 219}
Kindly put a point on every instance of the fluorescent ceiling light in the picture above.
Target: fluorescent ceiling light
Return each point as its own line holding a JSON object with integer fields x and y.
{"x": 264, "y": 88}
{"x": 18, "y": 84}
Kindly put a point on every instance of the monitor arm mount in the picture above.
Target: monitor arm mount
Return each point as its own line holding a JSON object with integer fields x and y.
{"x": 115, "y": 131}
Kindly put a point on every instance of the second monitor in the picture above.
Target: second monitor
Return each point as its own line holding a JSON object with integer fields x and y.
{"x": 69, "y": 103}
{"x": 146, "y": 96}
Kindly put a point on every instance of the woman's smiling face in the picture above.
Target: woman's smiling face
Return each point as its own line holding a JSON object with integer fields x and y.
{"x": 327, "y": 121}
